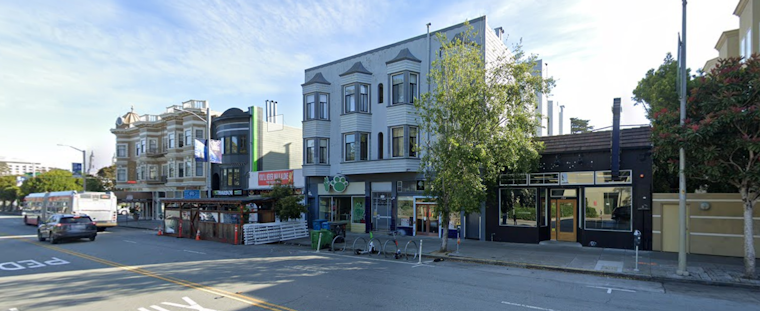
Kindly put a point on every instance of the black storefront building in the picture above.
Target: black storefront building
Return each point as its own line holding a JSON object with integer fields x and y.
{"x": 591, "y": 188}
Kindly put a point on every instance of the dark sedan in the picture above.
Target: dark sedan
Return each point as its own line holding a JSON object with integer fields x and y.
{"x": 65, "y": 226}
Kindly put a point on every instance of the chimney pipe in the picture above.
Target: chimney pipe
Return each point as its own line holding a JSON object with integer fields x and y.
{"x": 561, "y": 116}
{"x": 550, "y": 118}
{"x": 615, "y": 160}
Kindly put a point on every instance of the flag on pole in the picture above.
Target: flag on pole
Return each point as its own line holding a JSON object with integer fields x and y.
{"x": 200, "y": 151}
{"x": 215, "y": 151}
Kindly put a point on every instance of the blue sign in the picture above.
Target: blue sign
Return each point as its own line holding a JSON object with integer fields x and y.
{"x": 192, "y": 194}
{"x": 76, "y": 168}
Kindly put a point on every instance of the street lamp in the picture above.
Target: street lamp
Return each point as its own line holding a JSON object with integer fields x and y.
{"x": 84, "y": 155}
{"x": 208, "y": 141}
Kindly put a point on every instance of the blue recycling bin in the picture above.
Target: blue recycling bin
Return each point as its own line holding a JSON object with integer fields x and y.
{"x": 317, "y": 224}
{"x": 326, "y": 225}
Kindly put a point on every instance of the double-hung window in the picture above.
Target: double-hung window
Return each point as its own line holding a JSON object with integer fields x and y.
{"x": 324, "y": 111}
{"x": 310, "y": 151}
{"x": 121, "y": 151}
{"x": 355, "y": 98}
{"x": 349, "y": 98}
{"x": 316, "y": 107}
{"x": 404, "y": 141}
{"x": 350, "y": 150}
{"x": 198, "y": 168}
{"x": 181, "y": 169}
{"x": 171, "y": 141}
{"x": 316, "y": 151}
{"x": 404, "y": 87}
{"x": 121, "y": 174}
{"x": 188, "y": 137}
{"x": 397, "y": 90}
{"x": 311, "y": 109}
{"x": 356, "y": 146}
{"x": 188, "y": 168}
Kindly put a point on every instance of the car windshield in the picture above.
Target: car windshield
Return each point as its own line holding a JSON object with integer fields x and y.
{"x": 74, "y": 220}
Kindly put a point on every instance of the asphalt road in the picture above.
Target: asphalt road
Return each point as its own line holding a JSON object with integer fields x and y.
{"x": 130, "y": 269}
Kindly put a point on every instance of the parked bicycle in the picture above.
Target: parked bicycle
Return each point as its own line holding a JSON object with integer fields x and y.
{"x": 393, "y": 248}
{"x": 372, "y": 247}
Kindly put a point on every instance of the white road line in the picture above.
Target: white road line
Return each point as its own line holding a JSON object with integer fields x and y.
{"x": 610, "y": 289}
{"x": 189, "y": 251}
{"x": 128, "y": 241}
{"x": 526, "y": 306}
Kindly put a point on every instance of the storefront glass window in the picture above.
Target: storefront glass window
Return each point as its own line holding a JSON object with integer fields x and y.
{"x": 405, "y": 213}
{"x": 608, "y": 208}
{"x": 324, "y": 208}
{"x": 518, "y": 207}
{"x": 357, "y": 204}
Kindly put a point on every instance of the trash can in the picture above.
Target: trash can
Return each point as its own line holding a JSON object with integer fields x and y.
{"x": 327, "y": 237}
{"x": 326, "y": 225}
{"x": 317, "y": 224}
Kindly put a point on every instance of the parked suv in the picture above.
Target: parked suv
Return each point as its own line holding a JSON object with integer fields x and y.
{"x": 66, "y": 226}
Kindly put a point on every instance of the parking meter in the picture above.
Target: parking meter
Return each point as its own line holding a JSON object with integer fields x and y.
{"x": 637, "y": 238}
{"x": 637, "y": 243}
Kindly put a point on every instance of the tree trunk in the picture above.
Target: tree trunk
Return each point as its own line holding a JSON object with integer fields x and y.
{"x": 445, "y": 234}
{"x": 749, "y": 243}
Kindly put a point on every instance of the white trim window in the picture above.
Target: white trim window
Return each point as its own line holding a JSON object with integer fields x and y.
{"x": 189, "y": 137}
{"x": 171, "y": 140}
{"x": 121, "y": 150}
{"x": 189, "y": 168}
{"x": 199, "y": 168}
{"x": 397, "y": 89}
{"x": 181, "y": 169}
{"x": 121, "y": 174}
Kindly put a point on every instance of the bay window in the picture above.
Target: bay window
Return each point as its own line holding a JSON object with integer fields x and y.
{"x": 350, "y": 101}
{"x": 404, "y": 141}
{"x": 314, "y": 110}
{"x": 404, "y": 87}
{"x": 398, "y": 89}
{"x": 356, "y": 146}
{"x": 314, "y": 155}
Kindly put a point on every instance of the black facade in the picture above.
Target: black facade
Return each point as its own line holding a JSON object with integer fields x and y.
{"x": 605, "y": 204}
{"x": 233, "y": 129}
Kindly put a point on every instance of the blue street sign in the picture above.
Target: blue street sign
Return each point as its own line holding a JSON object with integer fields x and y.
{"x": 76, "y": 168}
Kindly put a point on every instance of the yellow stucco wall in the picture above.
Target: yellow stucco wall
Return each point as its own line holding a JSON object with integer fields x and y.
{"x": 718, "y": 230}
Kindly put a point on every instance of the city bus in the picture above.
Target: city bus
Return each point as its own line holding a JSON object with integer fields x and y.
{"x": 100, "y": 206}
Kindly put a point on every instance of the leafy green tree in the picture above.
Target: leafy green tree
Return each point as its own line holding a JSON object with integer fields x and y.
{"x": 657, "y": 92}
{"x": 288, "y": 204}
{"x": 107, "y": 177}
{"x": 4, "y": 168}
{"x": 8, "y": 190}
{"x": 482, "y": 119}
{"x": 53, "y": 180}
{"x": 721, "y": 135}
{"x": 579, "y": 126}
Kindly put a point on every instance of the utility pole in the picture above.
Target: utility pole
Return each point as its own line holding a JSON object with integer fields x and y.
{"x": 682, "y": 158}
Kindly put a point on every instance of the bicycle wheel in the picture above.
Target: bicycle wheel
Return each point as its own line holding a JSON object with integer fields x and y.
{"x": 338, "y": 244}
{"x": 375, "y": 250}
{"x": 356, "y": 244}
{"x": 411, "y": 249}
{"x": 389, "y": 248}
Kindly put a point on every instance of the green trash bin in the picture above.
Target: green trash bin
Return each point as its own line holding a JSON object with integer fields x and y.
{"x": 327, "y": 237}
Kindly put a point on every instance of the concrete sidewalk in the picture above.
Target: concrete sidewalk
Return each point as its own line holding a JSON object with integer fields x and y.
{"x": 571, "y": 257}
{"x": 560, "y": 256}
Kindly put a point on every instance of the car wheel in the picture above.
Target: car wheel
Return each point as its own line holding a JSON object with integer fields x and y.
{"x": 52, "y": 239}
{"x": 40, "y": 237}
{"x": 92, "y": 238}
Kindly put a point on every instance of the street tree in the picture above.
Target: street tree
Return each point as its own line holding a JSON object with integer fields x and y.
{"x": 288, "y": 204}
{"x": 4, "y": 169}
{"x": 578, "y": 126}
{"x": 107, "y": 177}
{"x": 658, "y": 92}
{"x": 53, "y": 180}
{"x": 481, "y": 117}
{"x": 722, "y": 135}
{"x": 8, "y": 190}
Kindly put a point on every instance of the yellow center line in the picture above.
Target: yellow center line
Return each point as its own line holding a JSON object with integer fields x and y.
{"x": 241, "y": 298}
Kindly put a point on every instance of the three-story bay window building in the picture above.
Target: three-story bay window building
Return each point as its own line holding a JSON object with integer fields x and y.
{"x": 362, "y": 135}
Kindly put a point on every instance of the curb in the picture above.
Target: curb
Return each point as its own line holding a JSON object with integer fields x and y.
{"x": 616, "y": 275}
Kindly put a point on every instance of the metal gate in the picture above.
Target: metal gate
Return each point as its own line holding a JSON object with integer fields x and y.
{"x": 382, "y": 207}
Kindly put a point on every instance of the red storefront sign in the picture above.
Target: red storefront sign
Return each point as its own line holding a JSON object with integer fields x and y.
{"x": 269, "y": 178}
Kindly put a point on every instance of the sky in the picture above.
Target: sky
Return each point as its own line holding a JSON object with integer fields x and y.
{"x": 68, "y": 69}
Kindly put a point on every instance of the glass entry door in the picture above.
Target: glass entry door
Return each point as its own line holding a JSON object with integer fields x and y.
{"x": 564, "y": 220}
{"x": 426, "y": 221}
